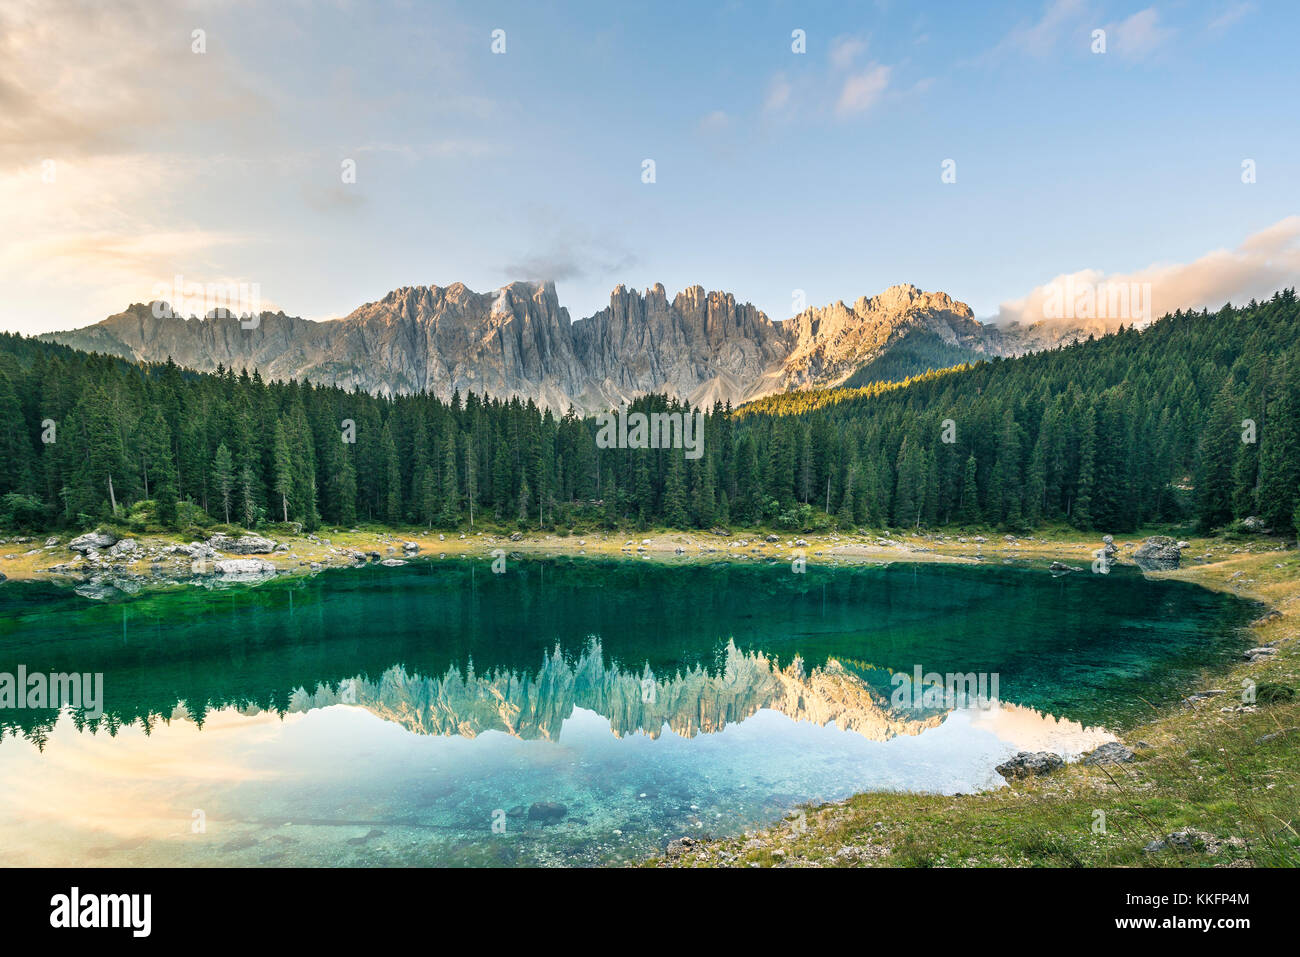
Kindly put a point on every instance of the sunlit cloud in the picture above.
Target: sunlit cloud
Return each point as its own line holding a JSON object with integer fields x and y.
{"x": 1263, "y": 263}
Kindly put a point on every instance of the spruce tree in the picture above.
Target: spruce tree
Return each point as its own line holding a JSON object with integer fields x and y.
{"x": 223, "y": 479}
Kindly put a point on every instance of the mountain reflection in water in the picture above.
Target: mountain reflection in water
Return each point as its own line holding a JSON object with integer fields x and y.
{"x": 391, "y": 716}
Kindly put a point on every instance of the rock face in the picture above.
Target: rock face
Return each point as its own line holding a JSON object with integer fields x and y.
{"x": 830, "y": 343}
{"x": 519, "y": 341}
{"x": 1158, "y": 552}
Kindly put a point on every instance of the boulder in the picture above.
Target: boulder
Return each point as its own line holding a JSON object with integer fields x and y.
{"x": 1200, "y": 696}
{"x": 546, "y": 812}
{"x": 392, "y": 562}
{"x": 1158, "y": 552}
{"x": 681, "y": 846}
{"x": 1194, "y": 840}
{"x": 97, "y": 589}
{"x": 92, "y": 541}
{"x": 1029, "y": 763}
{"x": 126, "y": 546}
{"x": 243, "y": 545}
{"x": 1111, "y": 752}
{"x": 243, "y": 567}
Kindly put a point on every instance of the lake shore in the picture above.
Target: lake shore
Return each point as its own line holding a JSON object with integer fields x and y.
{"x": 1214, "y": 782}
{"x": 1222, "y": 773}
{"x": 153, "y": 558}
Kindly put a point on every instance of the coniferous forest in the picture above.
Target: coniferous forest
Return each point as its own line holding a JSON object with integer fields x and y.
{"x": 1196, "y": 417}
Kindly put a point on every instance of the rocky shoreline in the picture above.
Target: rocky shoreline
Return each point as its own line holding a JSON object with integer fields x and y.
{"x": 100, "y": 564}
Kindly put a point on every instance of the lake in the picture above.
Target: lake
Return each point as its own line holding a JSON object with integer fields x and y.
{"x": 563, "y": 712}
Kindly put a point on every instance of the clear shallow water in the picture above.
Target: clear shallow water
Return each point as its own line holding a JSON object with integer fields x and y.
{"x": 392, "y": 716}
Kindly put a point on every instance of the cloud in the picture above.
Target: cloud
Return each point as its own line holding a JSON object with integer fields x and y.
{"x": 84, "y": 78}
{"x": 334, "y": 198}
{"x": 777, "y": 97}
{"x": 1041, "y": 37}
{"x": 562, "y": 253}
{"x": 714, "y": 123}
{"x": 845, "y": 50}
{"x": 1264, "y": 262}
{"x": 1138, "y": 35}
{"x": 862, "y": 90}
{"x": 1230, "y": 15}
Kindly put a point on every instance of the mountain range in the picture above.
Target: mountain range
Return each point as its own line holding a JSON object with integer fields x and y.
{"x": 519, "y": 341}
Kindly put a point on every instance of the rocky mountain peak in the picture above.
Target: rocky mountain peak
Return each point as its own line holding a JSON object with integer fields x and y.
{"x": 700, "y": 346}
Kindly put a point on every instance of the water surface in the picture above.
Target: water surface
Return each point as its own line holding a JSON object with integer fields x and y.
{"x": 416, "y": 715}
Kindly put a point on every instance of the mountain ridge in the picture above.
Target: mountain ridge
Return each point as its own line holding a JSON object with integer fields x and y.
{"x": 519, "y": 341}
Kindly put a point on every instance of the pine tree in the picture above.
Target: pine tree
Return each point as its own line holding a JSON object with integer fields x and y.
{"x": 674, "y": 510}
{"x": 392, "y": 475}
{"x": 525, "y": 496}
{"x": 282, "y": 483}
{"x": 970, "y": 504}
{"x": 449, "y": 516}
{"x": 1218, "y": 452}
{"x": 844, "y": 516}
{"x": 248, "y": 495}
{"x": 1279, "y": 449}
{"x": 17, "y": 460}
{"x": 1081, "y": 511}
{"x": 223, "y": 479}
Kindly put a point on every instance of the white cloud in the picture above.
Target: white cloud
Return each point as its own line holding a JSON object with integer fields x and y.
{"x": 1138, "y": 35}
{"x": 778, "y": 94}
{"x": 1231, "y": 15}
{"x": 862, "y": 90}
{"x": 1041, "y": 37}
{"x": 845, "y": 50}
{"x": 716, "y": 122}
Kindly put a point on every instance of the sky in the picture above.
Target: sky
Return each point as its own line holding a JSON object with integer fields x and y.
{"x": 985, "y": 150}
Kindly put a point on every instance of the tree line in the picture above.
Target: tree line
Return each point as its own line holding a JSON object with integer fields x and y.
{"x": 1196, "y": 416}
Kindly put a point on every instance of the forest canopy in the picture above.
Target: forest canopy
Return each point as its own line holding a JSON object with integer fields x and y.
{"x": 1196, "y": 416}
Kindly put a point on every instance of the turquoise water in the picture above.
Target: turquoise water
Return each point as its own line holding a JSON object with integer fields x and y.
{"x": 416, "y": 715}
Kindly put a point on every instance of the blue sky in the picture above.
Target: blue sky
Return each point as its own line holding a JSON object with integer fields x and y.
{"x": 775, "y": 171}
